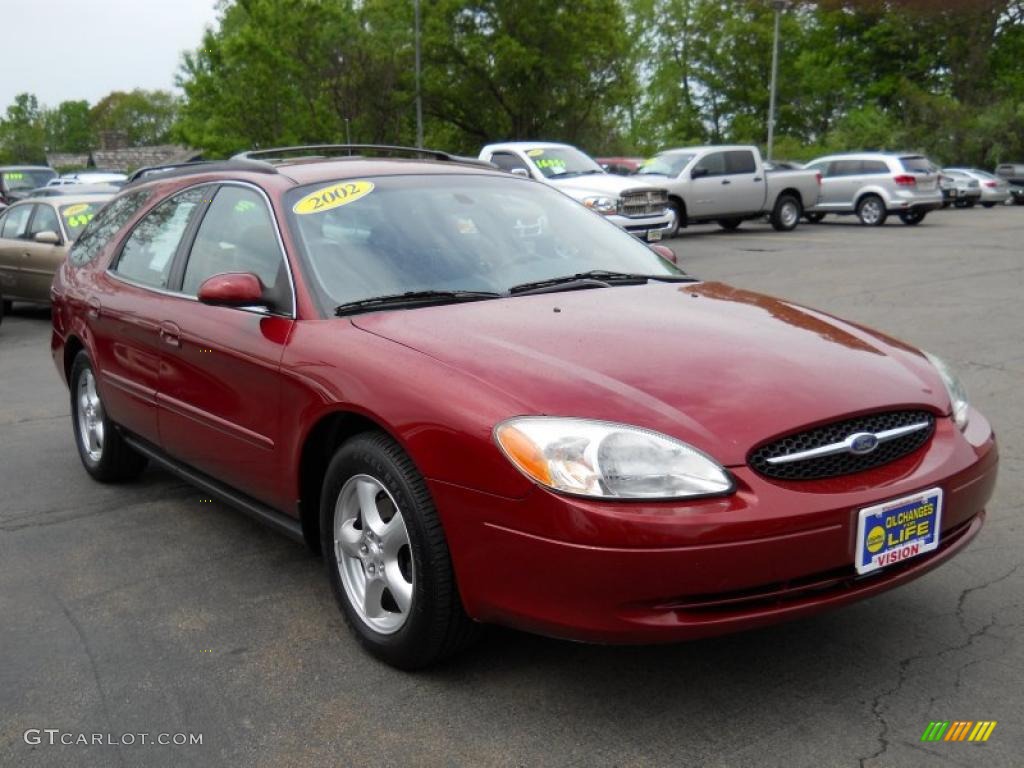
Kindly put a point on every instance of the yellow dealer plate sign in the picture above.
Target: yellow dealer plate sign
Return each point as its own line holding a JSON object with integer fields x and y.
{"x": 333, "y": 196}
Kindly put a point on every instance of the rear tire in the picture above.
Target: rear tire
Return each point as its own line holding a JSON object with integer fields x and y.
{"x": 786, "y": 214}
{"x": 814, "y": 218}
{"x": 393, "y": 580}
{"x": 871, "y": 211}
{"x": 103, "y": 450}
{"x": 971, "y": 203}
{"x": 730, "y": 225}
{"x": 988, "y": 205}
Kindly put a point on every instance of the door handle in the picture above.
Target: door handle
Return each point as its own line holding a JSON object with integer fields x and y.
{"x": 726, "y": 181}
{"x": 170, "y": 334}
{"x": 758, "y": 178}
{"x": 94, "y": 308}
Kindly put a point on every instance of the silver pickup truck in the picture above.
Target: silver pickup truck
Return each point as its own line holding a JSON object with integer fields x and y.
{"x": 729, "y": 184}
{"x": 638, "y": 207}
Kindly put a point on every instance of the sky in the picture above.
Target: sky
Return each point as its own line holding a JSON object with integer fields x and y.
{"x": 84, "y": 49}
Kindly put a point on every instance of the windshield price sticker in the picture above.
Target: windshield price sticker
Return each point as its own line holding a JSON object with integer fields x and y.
{"x": 14, "y": 176}
{"x": 74, "y": 210}
{"x": 534, "y": 152}
{"x": 551, "y": 162}
{"x": 897, "y": 530}
{"x": 78, "y": 215}
{"x": 333, "y": 196}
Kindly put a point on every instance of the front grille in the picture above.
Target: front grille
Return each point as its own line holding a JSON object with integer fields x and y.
{"x": 842, "y": 463}
{"x": 643, "y": 202}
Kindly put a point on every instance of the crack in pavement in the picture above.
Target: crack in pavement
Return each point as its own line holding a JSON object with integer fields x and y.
{"x": 93, "y": 666}
{"x": 904, "y": 664}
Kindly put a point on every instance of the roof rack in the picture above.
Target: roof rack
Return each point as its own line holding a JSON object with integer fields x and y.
{"x": 171, "y": 170}
{"x": 322, "y": 151}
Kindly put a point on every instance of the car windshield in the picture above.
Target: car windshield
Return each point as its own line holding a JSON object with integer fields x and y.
{"x": 561, "y": 162}
{"x": 365, "y": 238}
{"x": 20, "y": 180}
{"x": 666, "y": 164}
{"x": 77, "y": 215}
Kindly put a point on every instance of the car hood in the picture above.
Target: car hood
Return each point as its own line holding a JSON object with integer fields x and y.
{"x": 721, "y": 368}
{"x": 599, "y": 184}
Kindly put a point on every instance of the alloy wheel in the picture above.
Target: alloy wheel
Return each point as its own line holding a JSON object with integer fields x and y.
{"x": 90, "y": 416}
{"x": 374, "y": 555}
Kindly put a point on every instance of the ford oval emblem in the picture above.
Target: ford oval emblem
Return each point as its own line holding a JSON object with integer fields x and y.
{"x": 862, "y": 442}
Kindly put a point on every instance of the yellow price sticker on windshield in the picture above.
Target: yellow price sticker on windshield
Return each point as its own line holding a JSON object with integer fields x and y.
{"x": 535, "y": 152}
{"x": 74, "y": 210}
{"x": 333, "y": 196}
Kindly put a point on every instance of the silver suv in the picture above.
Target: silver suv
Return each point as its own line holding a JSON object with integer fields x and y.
{"x": 875, "y": 184}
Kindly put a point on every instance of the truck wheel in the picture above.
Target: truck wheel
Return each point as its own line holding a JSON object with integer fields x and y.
{"x": 814, "y": 218}
{"x": 678, "y": 218}
{"x": 988, "y": 205}
{"x": 871, "y": 211}
{"x": 786, "y": 214}
{"x": 730, "y": 224}
{"x": 971, "y": 202}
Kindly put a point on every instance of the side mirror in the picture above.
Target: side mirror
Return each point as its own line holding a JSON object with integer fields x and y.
{"x": 665, "y": 252}
{"x": 232, "y": 289}
{"x": 520, "y": 172}
{"x": 698, "y": 173}
{"x": 49, "y": 237}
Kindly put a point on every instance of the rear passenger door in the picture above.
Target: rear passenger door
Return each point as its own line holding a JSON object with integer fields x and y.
{"x": 219, "y": 381}
{"x": 126, "y": 305}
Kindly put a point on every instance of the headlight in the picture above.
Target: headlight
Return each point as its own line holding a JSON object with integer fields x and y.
{"x": 605, "y": 205}
{"x": 955, "y": 388}
{"x": 599, "y": 458}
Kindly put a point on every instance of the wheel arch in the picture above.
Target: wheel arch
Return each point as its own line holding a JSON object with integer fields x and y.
{"x": 321, "y": 442}
{"x": 861, "y": 194}
{"x": 793, "y": 192}
{"x": 678, "y": 200}
{"x": 72, "y": 346}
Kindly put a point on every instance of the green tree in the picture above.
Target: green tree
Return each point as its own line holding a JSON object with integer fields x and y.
{"x": 138, "y": 117}
{"x": 22, "y": 133}
{"x": 69, "y": 127}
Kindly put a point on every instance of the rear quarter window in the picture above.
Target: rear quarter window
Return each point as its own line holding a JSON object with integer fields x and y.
{"x": 104, "y": 225}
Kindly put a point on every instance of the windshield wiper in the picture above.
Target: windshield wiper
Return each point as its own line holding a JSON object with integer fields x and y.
{"x": 411, "y": 299}
{"x": 595, "y": 278}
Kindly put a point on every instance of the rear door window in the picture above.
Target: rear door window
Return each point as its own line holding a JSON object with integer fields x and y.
{"x": 149, "y": 252}
{"x": 845, "y": 168}
{"x": 16, "y": 222}
{"x": 740, "y": 161}
{"x": 874, "y": 167}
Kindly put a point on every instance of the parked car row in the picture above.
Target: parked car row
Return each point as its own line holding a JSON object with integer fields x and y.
{"x": 271, "y": 331}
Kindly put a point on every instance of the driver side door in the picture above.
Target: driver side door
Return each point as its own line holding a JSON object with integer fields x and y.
{"x": 707, "y": 175}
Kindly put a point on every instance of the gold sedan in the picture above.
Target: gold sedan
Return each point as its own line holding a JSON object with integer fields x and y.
{"x": 35, "y": 236}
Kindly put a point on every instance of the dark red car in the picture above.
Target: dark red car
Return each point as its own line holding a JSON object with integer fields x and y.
{"x": 485, "y": 403}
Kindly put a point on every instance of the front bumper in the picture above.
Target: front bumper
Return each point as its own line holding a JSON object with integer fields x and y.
{"x": 649, "y": 228}
{"x": 656, "y": 572}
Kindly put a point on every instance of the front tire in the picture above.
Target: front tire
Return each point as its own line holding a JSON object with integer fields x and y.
{"x": 387, "y": 557}
{"x": 786, "y": 214}
{"x": 678, "y": 218}
{"x": 871, "y": 211}
{"x": 103, "y": 450}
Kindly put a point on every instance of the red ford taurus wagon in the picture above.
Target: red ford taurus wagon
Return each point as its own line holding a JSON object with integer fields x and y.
{"x": 484, "y": 403}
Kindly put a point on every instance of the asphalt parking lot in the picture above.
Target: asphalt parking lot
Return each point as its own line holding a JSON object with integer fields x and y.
{"x": 143, "y": 609}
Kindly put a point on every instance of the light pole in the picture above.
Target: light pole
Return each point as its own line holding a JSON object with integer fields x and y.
{"x": 779, "y": 6}
{"x": 419, "y": 95}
